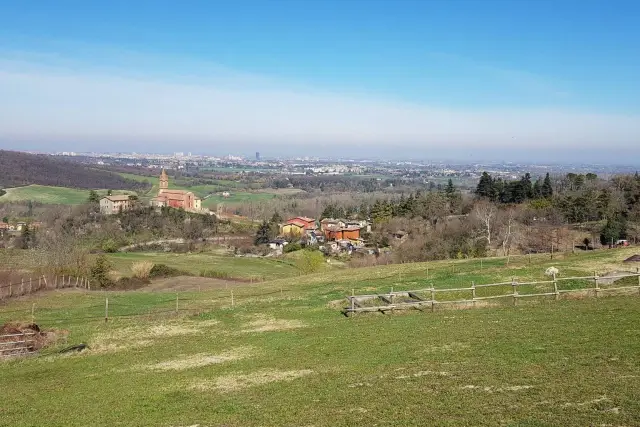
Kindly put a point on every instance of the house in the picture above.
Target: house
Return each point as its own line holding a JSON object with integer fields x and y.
{"x": 180, "y": 199}
{"x": 20, "y": 225}
{"x": 4, "y": 226}
{"x": 114, "y": 204}
{"x": 298, "y": 226}
{"x": 226, "y": 194}
{"x": 278, "y": 244}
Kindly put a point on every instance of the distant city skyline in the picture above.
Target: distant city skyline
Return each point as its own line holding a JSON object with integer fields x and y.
{"x": 466, "y": 80}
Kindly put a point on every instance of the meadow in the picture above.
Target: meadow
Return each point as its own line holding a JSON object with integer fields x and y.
{"x": 52, "y": 195}
{"x": 281, "y": 353}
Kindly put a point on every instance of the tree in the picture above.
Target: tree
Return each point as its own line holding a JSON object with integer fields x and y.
{"x": 613, "y": 230}
{"x": 276, "y": 218}
{"x": 485, "y": 186}
{"x": 262, "y": 235}
{"x": 109, "y": 192}
{"x": 5, "y": 219}
{"x": 100, "y": 272}
{"x": 93, "y": 197}
{"x": 486, "y": 213}
{"x": 450, "y": 189}
{"x": 547, "y": 188}
{"x": 27, "y": 238}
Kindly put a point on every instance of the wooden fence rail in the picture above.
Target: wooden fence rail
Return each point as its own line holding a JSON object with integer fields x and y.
{"x": 17, "y": 344}
{"x": 31, "y": 285}
{"x": 417, "y": 299}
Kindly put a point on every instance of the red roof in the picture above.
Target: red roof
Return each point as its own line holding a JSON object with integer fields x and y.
{"x": 302, "y": 222}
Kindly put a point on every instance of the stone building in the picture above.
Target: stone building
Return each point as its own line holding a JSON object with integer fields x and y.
{"x": 114, "y": 204}
{"x": 175, "y": 198}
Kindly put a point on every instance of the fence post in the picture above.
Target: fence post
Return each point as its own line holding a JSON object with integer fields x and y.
{"x": 595, "y": 278}
{"x": 353, "y": 305}
{"x": 33, "y": 313}
{"x": 473, "y": 292}
{"x": 21, "y": 286}
{"x": 555, "y": 287}
{"x": 10, "y": 290}
{"x": 106, "y": 310}
{"x": 176, "y": 302}
{"x": 232, "y": 301}
{"x": 45, "y": 281}
{"x": 638, "y": 273}
{"x": 55, "y": 281}
{"x": 433, "y": 299}
{"x": 88, "y": 285}
{"x": 515, "y": 291}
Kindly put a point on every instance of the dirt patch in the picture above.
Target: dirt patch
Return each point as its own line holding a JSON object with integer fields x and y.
{"x": 189, "y": 283}
{"x": 20, "y": 339}
{"x": 270, "y": 324}
{"x": 235, "y": 382}
{"x": 198, "y": 360}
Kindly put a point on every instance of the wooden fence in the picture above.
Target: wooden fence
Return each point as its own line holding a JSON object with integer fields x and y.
{"x": 30, "y": 285}
{"x": 426, "y": 298}
{"x": 17, "y": 344}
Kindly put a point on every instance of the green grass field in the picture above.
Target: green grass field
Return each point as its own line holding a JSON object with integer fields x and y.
{"x": 52, "y": 195}
{"x": 284, "y": 355}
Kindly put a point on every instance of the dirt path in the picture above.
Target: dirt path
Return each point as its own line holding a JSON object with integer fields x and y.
{"x": 190, "y": 283}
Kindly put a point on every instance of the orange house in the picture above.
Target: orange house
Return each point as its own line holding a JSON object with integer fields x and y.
{"x": 342, "y": 233}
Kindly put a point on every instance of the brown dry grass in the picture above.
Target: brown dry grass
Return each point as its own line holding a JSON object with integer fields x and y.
{"x": 270, "y": 324}
{"x": 141, "y": 269}
{"x": 240, "y": 381}
{"x": 198, "y": 360}
{"x": 135, "y": 337}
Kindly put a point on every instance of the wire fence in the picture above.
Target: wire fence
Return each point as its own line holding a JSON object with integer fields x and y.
{"x": 29, "y": 285}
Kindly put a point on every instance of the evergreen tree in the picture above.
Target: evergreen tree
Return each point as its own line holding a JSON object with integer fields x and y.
{"x": 547, "y": 188}
{"x": 613, "y": 230}
{"x": 26, "y": 238}
{"x": 450, "y": 189}
{"x": 262, "y": 235}
{"x": 109, "y": 192}
{"x": 485, "y": 186}
{"x": 276, "y": 218}
{"x": 527, "y": 187}
{"x": 29, "y": 208}
{"x": 93, "y": 197}
{"x": 537, "y": 189}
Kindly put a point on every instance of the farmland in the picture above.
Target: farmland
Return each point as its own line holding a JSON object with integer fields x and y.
{"x": 282, "y": 354}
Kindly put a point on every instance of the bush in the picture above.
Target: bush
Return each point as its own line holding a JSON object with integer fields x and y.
{"x": 214, "y": 274}
{"x": 129, "y": 283}
{"x": 310, "y": 261}
{"x": 109, "y": 246}
{"x": 142, "y": 270}
{"x": 163, "y": 270}
{"x": 100, "y": 272}
{"x": 292, "y": 247}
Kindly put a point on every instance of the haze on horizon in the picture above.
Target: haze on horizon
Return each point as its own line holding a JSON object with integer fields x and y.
{"x": 538, "y": 81}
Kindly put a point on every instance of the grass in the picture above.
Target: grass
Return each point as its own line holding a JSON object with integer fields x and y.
{"x": 236, "y": 197}
{"x": 283, "y": 355}
{"x": 194, "y": 263}
{"x": 52, "y": 195}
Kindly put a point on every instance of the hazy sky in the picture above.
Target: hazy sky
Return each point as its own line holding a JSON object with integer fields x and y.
{"x": 465, "y": 79}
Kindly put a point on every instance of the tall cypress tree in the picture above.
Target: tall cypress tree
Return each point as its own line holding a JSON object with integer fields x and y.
{"x": 547, "y": 188}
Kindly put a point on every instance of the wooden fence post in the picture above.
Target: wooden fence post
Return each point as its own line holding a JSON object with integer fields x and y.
{"x": 595, "y": 278}
{"x": 232, "y": 300}
{"x": 10, "y": 290}
{"x": 45, "y": 281}
{"x": 106, "y": 310}
{"x": 433, "y": 299}
{"x": 33, "y": 313}
{"x": 555, "y": 287}
{"x": 515, "y": 291}
{"x": 55, "y": 281}
{"x": 29, "y": 282}
{"x": 176, "y": 302}
{"x": 21, "y": 286}
{"x": 473, "y": 292}
{"x": 353, "y": 304}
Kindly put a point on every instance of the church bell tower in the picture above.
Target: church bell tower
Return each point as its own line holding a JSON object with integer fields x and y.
{"x": 164, "y": 180}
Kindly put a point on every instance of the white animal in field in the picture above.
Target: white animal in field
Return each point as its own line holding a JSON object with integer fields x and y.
{"x": 552, "y": 271}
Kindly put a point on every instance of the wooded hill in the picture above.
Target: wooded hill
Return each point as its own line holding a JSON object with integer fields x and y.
{"x": 20, "y": 169}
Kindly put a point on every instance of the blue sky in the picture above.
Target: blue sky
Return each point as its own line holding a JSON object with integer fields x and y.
{"x": 491, "y": 78}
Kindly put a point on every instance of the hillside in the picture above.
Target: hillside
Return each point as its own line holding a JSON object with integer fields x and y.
{"x": 280, "y": 353}
{"x": 19, "y": 169}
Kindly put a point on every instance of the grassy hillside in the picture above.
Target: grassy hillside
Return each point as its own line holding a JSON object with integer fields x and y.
{"x": 284, "y": 355}
{"x": 52, "y": 195}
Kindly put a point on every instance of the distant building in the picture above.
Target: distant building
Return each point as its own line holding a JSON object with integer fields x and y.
{"x": 257, "y": 156}
{"x": 114, "y": 204}
{"x": 179, "y": 199}
{"x": 299, "y": 226}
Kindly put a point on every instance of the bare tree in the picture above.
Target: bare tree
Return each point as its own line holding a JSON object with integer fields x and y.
{"x": 485, "y": 212}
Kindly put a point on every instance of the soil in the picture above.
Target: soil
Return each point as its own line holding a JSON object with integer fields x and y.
{"x": 12, "y": 343}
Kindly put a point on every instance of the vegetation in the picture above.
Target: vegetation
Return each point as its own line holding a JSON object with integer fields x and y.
{"x": 285, "y": 348}
{"x": 19, "y": 169}
{"x": 51, "y": 195}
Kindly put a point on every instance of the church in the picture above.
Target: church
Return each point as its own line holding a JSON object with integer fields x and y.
{"x": 175, "y": 198}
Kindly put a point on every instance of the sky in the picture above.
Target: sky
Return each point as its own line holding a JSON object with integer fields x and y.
{"x": 466, "y": 80}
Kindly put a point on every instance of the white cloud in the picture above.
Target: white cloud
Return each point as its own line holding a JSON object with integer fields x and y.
{"x": 45, "y": 103}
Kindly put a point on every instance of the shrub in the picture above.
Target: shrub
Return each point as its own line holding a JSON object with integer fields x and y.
{"x": 214, "y": 274}
{"x": 100, "y": 272}
{"x": 142, "y": 270}
{"x": 310, "y": 261}
{"x": 292, "y": 247}
{"x": 163, "y": 270}
{"x": 109, "y": 246}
